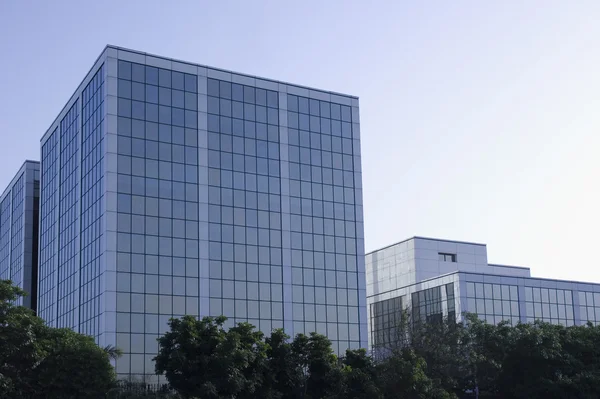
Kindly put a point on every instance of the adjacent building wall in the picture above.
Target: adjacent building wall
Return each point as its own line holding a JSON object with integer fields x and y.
{"x": 18, "y": 232}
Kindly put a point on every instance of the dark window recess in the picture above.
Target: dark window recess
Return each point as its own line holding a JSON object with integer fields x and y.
{"x": 446, "y": 257}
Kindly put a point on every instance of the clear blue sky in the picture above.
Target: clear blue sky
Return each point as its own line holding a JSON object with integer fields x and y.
{"x": 480, "y": 120}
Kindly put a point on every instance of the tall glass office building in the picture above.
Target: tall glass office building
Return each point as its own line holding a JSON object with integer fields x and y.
{"x": 19, "y": 206}
{"x": 170, "y": 188}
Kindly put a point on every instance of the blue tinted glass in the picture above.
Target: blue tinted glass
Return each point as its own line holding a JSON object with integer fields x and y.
{"x": 164, "y": 78}
{"x": 303, "y": 105}
{"x": 191, "y": 83}
{"x": 124, "y": 70}
{"x": 152, "y": 75}
{"x": 177, "y": 80}
{"x": 213, "y": 87}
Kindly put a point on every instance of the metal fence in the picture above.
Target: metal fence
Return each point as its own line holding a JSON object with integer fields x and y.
{"x": 135, "y": 390}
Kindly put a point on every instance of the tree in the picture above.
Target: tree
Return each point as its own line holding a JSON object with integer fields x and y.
{"x": 73, "y": 367}
{"x": 554, "y": 362}
{"x": 37, "y": 361}
{"x": 404, "y": 375}
{"x": 20, "y": 349}
{"x": 318, "y": 364}
{"x": 201, "y": 359}
{"x": 284, "y": 374}
{"x": 358, "y": 376}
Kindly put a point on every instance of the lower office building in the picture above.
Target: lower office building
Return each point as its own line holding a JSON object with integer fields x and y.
{"x": 434, "y": 279}
{"x": 19, "y": 231}
{"x": 171, "y": 188}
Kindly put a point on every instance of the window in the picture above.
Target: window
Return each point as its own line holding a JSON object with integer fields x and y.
{"x": 443, "y": 257}
{"x": 493, "y": 302}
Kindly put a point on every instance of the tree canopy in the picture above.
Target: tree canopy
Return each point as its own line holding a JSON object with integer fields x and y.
{"x": 204, "y": 359}
{"x": 37, "y": 361}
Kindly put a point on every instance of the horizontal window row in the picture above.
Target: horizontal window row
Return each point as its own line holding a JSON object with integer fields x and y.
{"x": 560, "y": 322}
{"x": 157, "y": 151}
{"x": 150, "y": 187}
{"x": 321, "y": 243}
{"x": 492, "y": 291}
{"x": 239, "y": 127}
{"x": 245, "y": 235}
{"x": 339, "y": 211}
{"x": 157, "y": 95}
{"x": 589, "y": 313}
{"x": 323, "y": 260}
{"x": 153, "y": 245}
{"x": 157, "y": 132}
{"x": 223, "y": 164}
{"x": 241, "y": 110}
{"x": 589, "y": 298}
{"x": 332, "y": 191}
{"x": 153, "y": 284}
{"x": 332, "y": 330}
{"x": 157, "y": 76}
{"x": 549, "y": 310}
{"x": 153, "y": 264}
{"x": 328, "y": 313}
{"x": 323, "y": 278}
{"x": 303, "y": 150}
{"x": 244, "y": 181}
{"x": 225, "y": 145}
{"x": 157, "y": 113}
{"x": 491, "y": 319}
{"x": 333, "y": 160}
{"x": 244, "y": 253}
{"x": 245, "y": 290}
{"x": 251, "y": 217}
{"x": 319, "y": 108}
{"x": 545, "y": 295}
{"x": 154, "y": 169}
{"x": 150, "y": 323}
{"x": 494, "y": 307}
{"x": 323, "y": 126}
{"x": 244, "y": 199}
{"x": 238, "y": 92}
{"x": 163, "y": 226}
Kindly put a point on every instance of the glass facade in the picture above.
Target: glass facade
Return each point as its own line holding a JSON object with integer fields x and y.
{"x": 325, "y": 220}
{"x": 589, "y": 307}
{"x": 18, "y": 232}
{"x": 244, "y": 204}
{"x": 442, "y": 278}
{"x": 158, "y": 208}
{"x": 550, "y": 305}
{"x": 386, "y": 317}
{"x": 493, "y": 298}
{"x": 47, "y": 275}
{"x": 67, "y": 300}
{"x": 494, "y": 302}
{"x": 92, "y": 204}
{"x": 427, "y": 305}
{"x": 170, "y": 189}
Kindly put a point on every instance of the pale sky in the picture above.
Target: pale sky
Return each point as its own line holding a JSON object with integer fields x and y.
{"x": 480, "y": 120}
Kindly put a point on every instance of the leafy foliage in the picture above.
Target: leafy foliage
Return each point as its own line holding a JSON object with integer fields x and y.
{"x": 200, "y": 358}
{"x": 203, "y": 359}
{"x": 37, "y": 361}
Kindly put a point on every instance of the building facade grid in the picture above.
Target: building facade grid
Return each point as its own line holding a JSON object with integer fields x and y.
{"x": 171, "y": 189}
{"x": 18, "y": 229}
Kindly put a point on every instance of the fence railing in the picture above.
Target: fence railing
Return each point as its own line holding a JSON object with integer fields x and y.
{"x": 134, "y": 390}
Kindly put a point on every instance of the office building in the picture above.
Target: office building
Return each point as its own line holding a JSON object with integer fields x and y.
{"x": 170, "y": 188}
{"x": 19, "y": 231}
{"x": 434, "y": 279}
